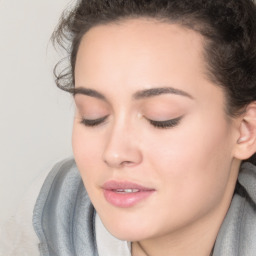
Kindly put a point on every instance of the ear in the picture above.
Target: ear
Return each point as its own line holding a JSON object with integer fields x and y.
{"x": 246, "y": 143}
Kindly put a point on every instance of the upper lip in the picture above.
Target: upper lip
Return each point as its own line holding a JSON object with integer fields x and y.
{"x": 114, "y": 185}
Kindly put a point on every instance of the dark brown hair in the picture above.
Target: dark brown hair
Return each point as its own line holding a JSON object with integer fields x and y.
{"x": 228, "y": 26}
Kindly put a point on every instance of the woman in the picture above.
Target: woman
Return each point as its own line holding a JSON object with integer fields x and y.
{"x": 165, "y": 123}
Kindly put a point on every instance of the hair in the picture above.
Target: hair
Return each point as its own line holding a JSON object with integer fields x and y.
{"x": 228, "y": 27}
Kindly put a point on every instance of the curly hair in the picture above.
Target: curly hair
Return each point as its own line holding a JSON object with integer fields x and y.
{"x": 228, "y": 26}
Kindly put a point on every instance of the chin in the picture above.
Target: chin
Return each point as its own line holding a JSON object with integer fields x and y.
{"x": 126, "y": 229}
{"x": 128, "y": 235}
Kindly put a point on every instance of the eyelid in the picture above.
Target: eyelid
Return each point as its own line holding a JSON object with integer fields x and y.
{"x": 166, "y": 123}
{"x": 93, "y": 122}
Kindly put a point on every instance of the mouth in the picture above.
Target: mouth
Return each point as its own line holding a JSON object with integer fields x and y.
{"x": 125, "y": 194}
{"x": 128, "y": 190}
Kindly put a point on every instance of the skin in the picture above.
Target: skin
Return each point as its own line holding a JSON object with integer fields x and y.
{"x": 191, "y": 166}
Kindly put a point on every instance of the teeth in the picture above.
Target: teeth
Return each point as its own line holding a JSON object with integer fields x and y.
{"x": 128, "y": 190}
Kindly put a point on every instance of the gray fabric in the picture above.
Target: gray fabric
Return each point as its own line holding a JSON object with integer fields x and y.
{"x": 237, "y": 235}
{"x": 64, "y": 218}
{"x": 63, "y": 215}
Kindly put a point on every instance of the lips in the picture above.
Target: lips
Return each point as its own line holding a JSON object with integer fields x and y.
{"x": 125, "y": 194}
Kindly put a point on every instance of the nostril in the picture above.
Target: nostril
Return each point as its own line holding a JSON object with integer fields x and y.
{"x": 117, "y": 163}
{"x": 127, "y": 163}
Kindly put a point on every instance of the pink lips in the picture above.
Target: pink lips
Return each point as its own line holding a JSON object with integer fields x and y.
{"x": 125, "y": 194}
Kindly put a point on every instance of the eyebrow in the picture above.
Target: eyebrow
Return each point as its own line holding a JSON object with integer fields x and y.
{"x": 88, "y": 92}
{"x": 158, "y": 91}
{"x": 138, "y": 95}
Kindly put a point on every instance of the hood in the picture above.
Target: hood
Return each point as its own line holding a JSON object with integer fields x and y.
{"x": 247, "y": 178}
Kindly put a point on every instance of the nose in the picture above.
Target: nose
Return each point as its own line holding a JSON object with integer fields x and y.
{"x": 122, "y": 148}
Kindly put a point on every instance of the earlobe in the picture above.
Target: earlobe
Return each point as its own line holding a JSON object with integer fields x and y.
{"x": 246, "y": 143}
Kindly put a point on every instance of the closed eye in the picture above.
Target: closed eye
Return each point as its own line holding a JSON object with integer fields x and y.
{"x": 158, "y": 124}
{"x": 93, "y": 122}
{"x": 165, "y": 124}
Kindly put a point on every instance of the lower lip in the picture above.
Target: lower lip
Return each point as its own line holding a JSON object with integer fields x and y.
{"x": 125, "y": 200}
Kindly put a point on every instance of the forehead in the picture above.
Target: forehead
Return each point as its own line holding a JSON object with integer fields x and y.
{"x": 140, "y": 52}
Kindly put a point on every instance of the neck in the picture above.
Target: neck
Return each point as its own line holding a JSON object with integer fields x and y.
{"x": 144, "y": 253}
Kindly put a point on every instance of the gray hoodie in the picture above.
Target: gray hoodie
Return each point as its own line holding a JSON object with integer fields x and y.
{"x": 64, "y": 218}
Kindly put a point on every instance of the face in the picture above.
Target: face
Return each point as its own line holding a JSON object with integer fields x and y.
{"x": 151, "y": 137}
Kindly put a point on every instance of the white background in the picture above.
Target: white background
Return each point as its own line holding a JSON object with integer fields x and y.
{"x": 35, "y": 116}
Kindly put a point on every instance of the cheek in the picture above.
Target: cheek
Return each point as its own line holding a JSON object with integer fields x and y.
{"x": 193, "y": 160}
{"x": 87, "y": 151}
{"x": 200, "y": 144}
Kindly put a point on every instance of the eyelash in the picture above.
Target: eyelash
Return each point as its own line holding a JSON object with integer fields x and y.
{"x": 93, "y": 122}
{"x": 165, "y": 124}
{"x": 157, "y": 124}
